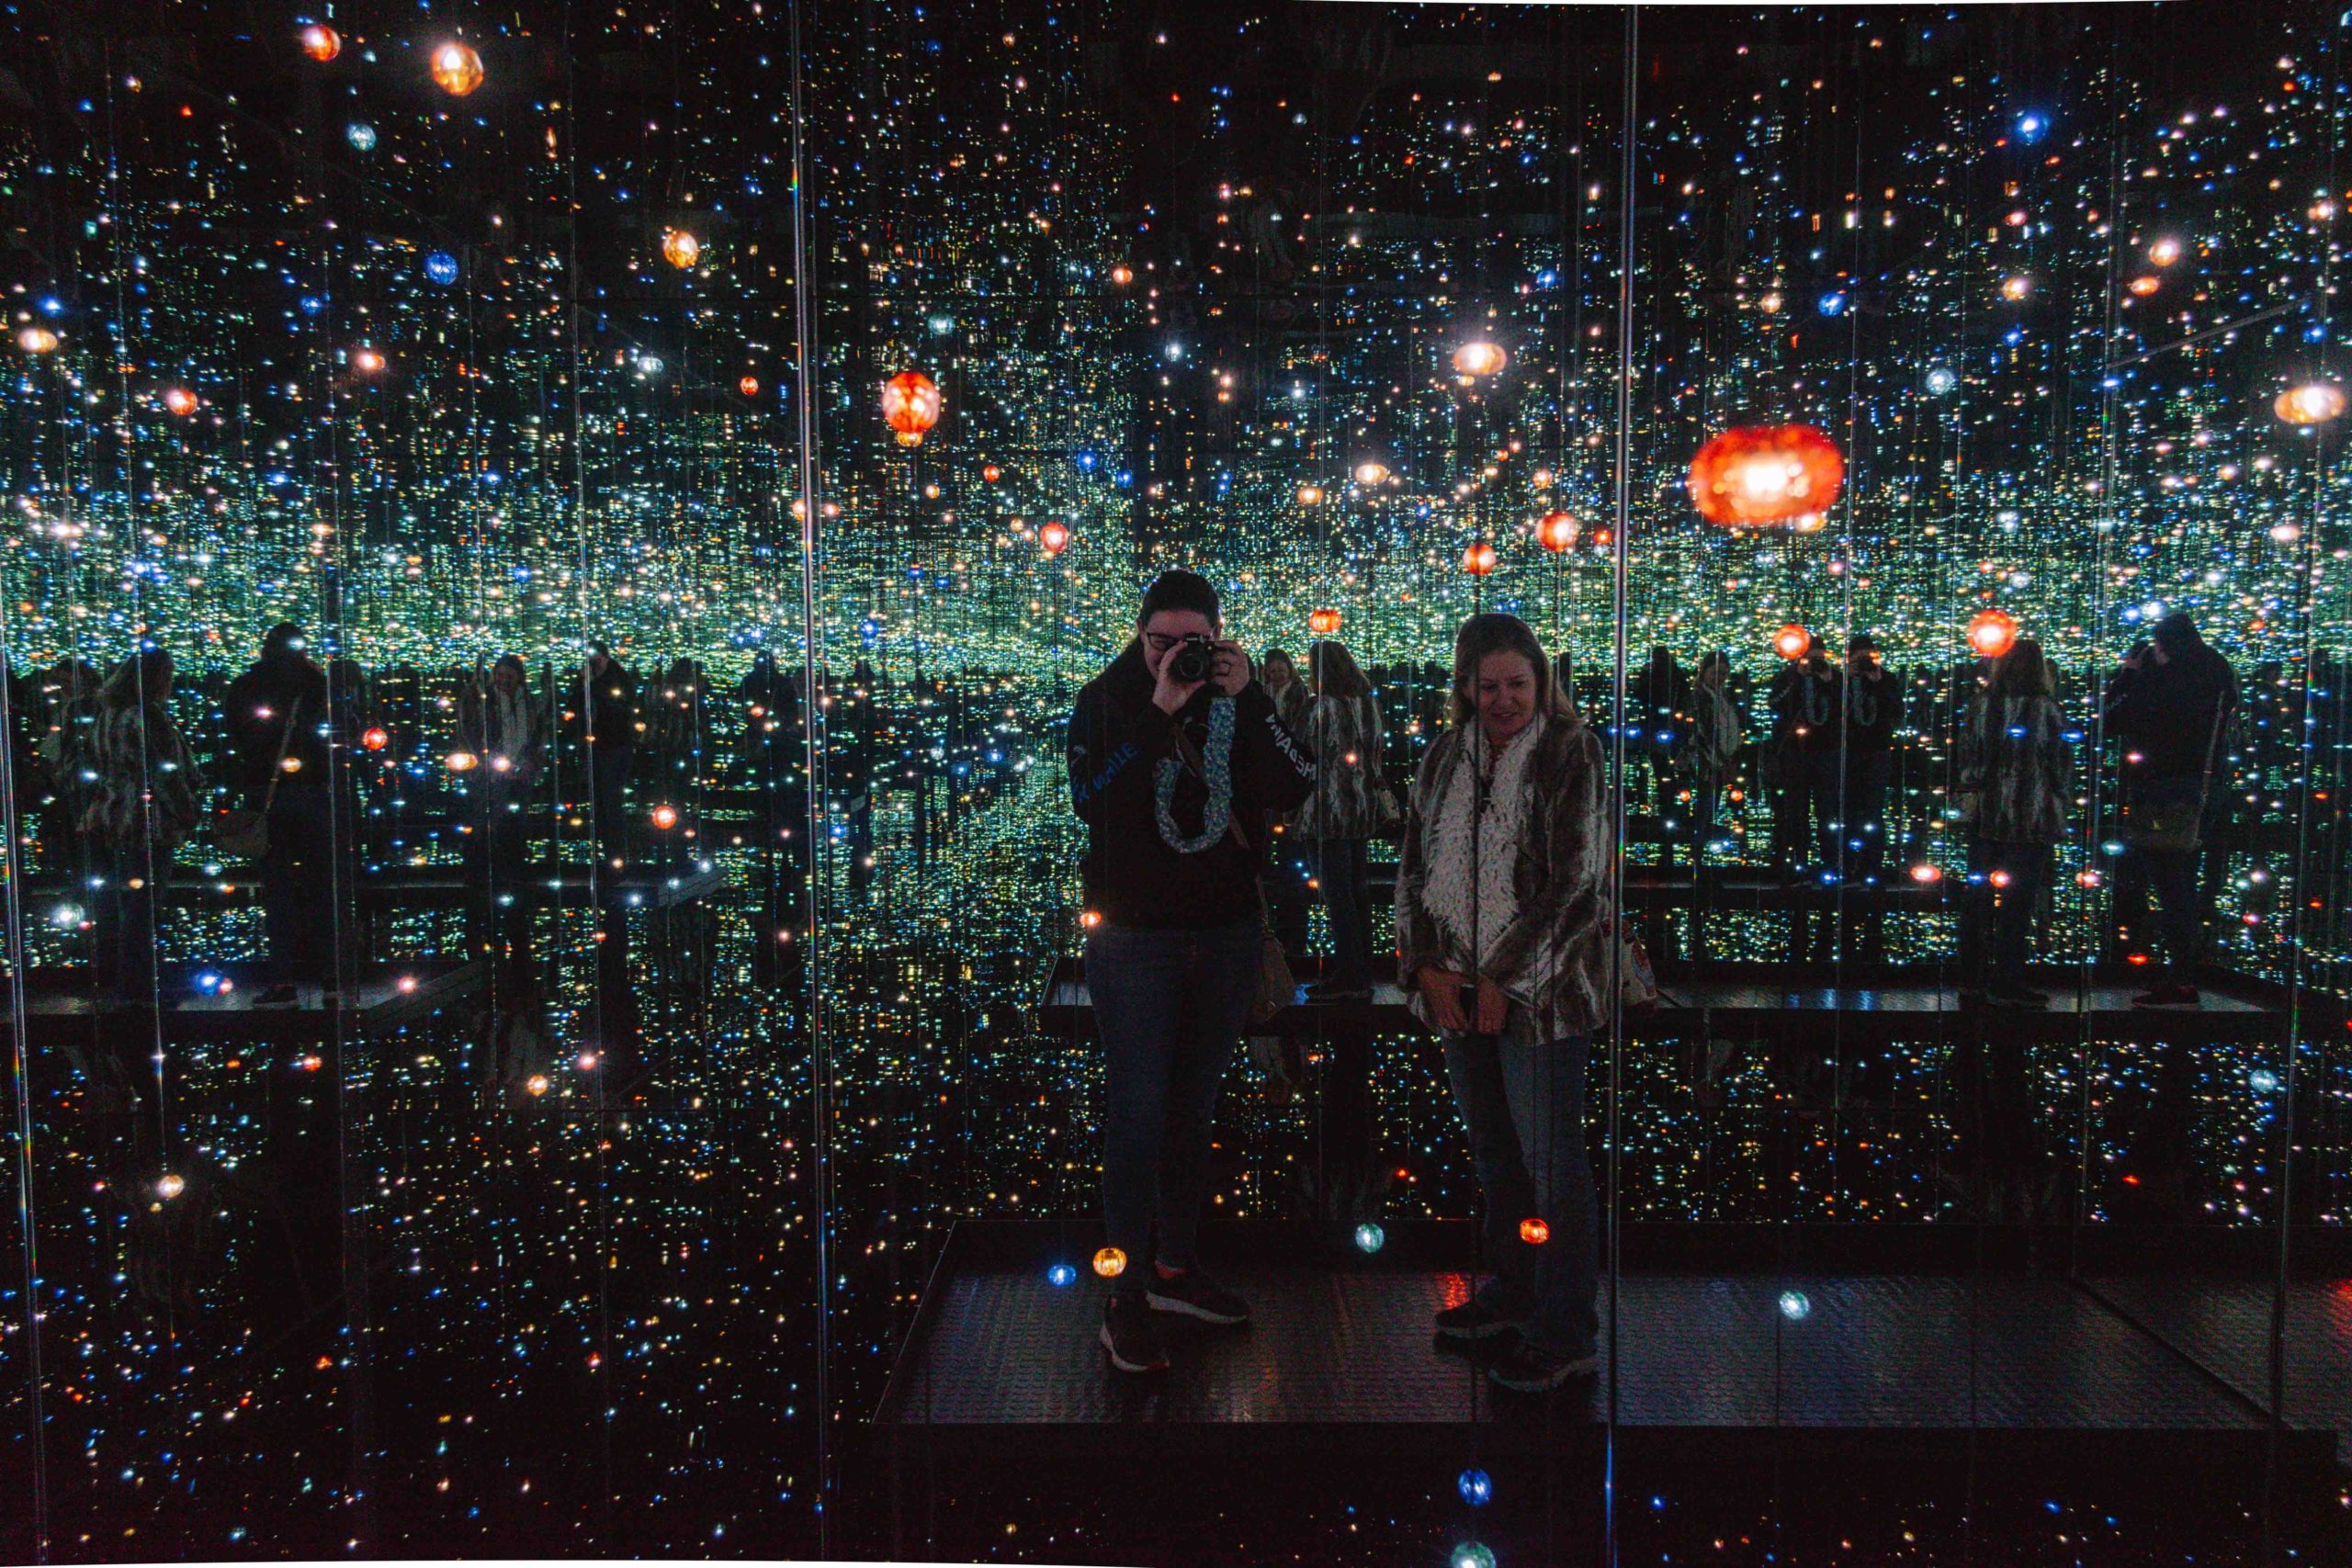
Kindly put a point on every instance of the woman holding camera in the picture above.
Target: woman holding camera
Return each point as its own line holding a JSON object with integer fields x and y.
{"x": 1504, "y": 939}
{"x": 1175, "y": 754}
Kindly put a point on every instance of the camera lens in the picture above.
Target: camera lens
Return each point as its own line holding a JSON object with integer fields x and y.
{"x": 1190, "y": 662}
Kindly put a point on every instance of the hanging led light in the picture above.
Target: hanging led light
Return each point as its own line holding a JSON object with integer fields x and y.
{"x": 1991, "y": 633}
{"x": 321, "y": 42}
{"x": 749, "y": 386}
{"x": 1791, "y": 641}
{"x": 457, "y": 67}
{"x": 1372, "y": 473}
{"x": 179, "y": 401}
{"x": 2165, "y": 252}
{"x": 1323, "y": 622}
{"x": 1479, "y": 357}
{"x": 1754, "y": 476}
{"x": 911, "y": 405}
{"x": 1556, "y": 532}
{"x": 1110, "y": 1263}
{"x": 1054, "y": 539}
{"x": 680, "y": 248}
{"x": 2313, "y": 402}
{"x": 1478, "y": 560}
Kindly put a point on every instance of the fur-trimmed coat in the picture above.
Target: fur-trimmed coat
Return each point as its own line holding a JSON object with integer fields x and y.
{"x": 1555, "y": 958}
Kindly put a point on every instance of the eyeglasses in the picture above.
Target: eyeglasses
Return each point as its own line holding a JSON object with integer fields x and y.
{"x": 1160, "y": 642}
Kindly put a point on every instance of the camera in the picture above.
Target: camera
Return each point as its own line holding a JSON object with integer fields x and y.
{"x": 1193, "y": 661}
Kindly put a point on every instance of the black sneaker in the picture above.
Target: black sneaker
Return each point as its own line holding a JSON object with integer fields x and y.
{"x": 1474, "y": 1319}
{"x": 2024, "y": 996}
{"x": 1194, "y": 1294}
{"x": 1531, "y": 1369}
{"x": 2173, "y": 996}
{"x": 1130, "y": 1336}
{"x": 278, "y": 997}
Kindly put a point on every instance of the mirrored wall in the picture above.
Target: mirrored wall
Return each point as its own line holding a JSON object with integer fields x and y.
{"x": 561, "y": 578}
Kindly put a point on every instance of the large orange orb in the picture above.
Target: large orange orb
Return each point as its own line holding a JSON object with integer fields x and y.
{"x": 2314, "y": 402}
{"x": 1556, "y": 532}
{"x": 749, "y": 386}
{"x": 1323, "y": 622}
{"x": 457, "y": 68}
{"x": 180, "y": 401}
{"x": 321, "y": 42}
{"x": 1791, "y": 641}
{"x": 680, "y": 248}
{"x": 1478, "y": 560}
{"x": 911, "y": 405}
{"x": 1479, "y": 358}
{"x": 1755, "y": 475}
{"x": 1991, "y": 633}
{"x": 1054, "y": 539}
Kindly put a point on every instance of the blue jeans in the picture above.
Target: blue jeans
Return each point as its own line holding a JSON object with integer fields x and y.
{"x": 1171, "y": 1006}
{"x": 1522, "y": 1102}
{"x": 1339, "y": 866}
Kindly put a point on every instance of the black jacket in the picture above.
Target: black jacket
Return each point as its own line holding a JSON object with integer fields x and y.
{"x": 1874, "y": 709}
{"x": 2172, "y": 719}
{"x": 1117, "y": 741}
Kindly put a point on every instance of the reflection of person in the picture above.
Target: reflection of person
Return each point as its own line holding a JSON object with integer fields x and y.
{"x": 1657, "y": 701}
{"x": 1342, "y": 729}
{"x": 2012, "y": 777}
{"x": 1874, "y": 709}
{"x": 1165, "y": 769}
{"x": 506, "y": 729}
{"x": 144, "y": 795}
{"x": 2169, "y": 708}
{"x": 609, "y": 713}
{"x": 1281, "y": 682}
{"x": 277, "y": 716}
{"x": 1503, "y": 926}
{"x": 1712, "y": 746}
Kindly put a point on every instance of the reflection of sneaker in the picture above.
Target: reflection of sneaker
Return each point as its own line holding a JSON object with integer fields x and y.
{"x": 2169, "y": 996}
{"x": 1532, "y": 1368}
{"x": 2005, "y": 996}
{"x": 1194, "y": 1294}
{"x": 1130, "y": 1336}
{"x": 1474, "y": 1319}
{"x": 278, "y": 997}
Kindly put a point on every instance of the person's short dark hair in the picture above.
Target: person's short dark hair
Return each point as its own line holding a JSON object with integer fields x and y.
{"x": 283, "y": 638}
{"x": 1862, "y": 642}
{"x": 1178, "y": 589}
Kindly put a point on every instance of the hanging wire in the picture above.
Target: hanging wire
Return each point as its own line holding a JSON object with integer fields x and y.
{"x": 1621, "y": 526}
{"x": 820, "y": 1088}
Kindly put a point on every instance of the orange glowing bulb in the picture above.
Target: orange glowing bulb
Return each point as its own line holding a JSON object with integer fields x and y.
{"x": 180, "y": 401}
{"x": 320, "y": 43}
{"x": 1556, "y": 532}
{"x": 457, "y": 68}
{"x": 1991, "y": 633}
{"x": 1110, "y": 1263}
{"x": 1478, "y": 560}
{"x": 1534, "y": 1232}
{"x": 1791, "y": 641}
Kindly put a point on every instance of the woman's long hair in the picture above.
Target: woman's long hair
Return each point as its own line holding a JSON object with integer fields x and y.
{"x": 143, "y": 680}
{"x": 1495, "y": 632}
{"x": 1336, "y": 673}
{"x": 2024, "y": 671}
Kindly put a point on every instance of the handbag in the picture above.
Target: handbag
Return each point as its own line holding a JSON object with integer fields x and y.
{"x": 244, "y": 835}
{"x": 1277, "y": 988}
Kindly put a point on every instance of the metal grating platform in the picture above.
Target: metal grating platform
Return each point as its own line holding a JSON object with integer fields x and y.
{"x": 1003, "y": 1356}
{"x": 2225, "y": 1326}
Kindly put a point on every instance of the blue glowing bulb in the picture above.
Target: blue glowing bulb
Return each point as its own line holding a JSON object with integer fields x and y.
{"x": 1061, "y": 1276}
{"x": 1370, "y": 1237}
{"x": 1476, "y": 1486}
{"x": 2262, "y": 1081}
{"x": 1470, "y": 1554}
{"x": 441, "y": 267}
{"x": 1794, "y": 1307}
{"x": 1833, "y": 304}
{"x": 2030, "y": 127}
{"x": 1942, "y": 379}
{"x": 361, "y": 135}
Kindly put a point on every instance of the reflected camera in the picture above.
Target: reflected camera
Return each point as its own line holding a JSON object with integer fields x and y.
{"x": 1193, "y": 661}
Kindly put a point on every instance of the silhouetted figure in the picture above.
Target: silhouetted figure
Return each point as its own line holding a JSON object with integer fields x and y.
{"x": 2169, "y": 708}
{"x": 144, "y": 795}
{"x": 504, "y": 725}
{"x": 607, "y": 698}
{"x": 2012, "y": 794}
{"x": 277, "y": 717}
{"x": 1710, "y": 748}
{"x": 1873, "y": 705}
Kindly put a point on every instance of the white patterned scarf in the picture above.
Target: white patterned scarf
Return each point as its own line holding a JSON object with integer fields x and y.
{"x": 1472, "y": 855}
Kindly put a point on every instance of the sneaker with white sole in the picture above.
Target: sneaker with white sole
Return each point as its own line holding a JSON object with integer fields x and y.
{"x": 1130, "y": 1336}
{"x": 1475, "y": 1319}
{"x": 1194, "y": 1294}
